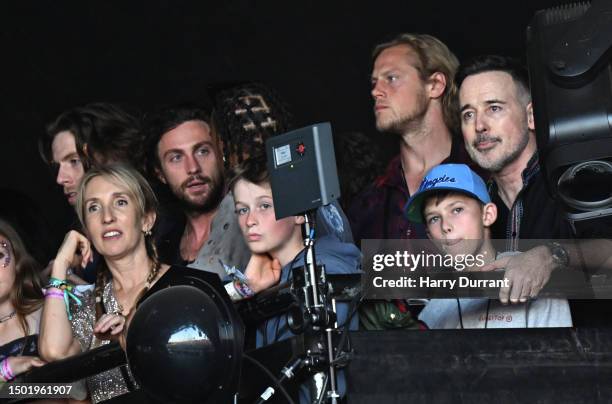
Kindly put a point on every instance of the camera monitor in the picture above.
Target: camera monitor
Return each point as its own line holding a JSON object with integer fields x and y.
{"x": 302, "y": 169}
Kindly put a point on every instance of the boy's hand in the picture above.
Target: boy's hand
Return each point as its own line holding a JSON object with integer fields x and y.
{"x": 527, "y": 274}
{"x": 262, "y": 272}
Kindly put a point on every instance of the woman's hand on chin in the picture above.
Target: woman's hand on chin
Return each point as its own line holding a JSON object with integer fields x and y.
{"x": 75, "y": 250}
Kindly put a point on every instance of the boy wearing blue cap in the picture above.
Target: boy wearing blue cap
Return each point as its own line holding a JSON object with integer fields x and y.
{"x": 455, "y": 206}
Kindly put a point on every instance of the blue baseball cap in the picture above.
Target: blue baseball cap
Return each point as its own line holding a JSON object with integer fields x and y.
{"x": 446, "y": 177}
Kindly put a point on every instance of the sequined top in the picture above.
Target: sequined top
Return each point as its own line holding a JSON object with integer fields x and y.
{"x": 111, "y": 383}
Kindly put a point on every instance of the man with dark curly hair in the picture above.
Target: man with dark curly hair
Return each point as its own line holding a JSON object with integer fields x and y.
{"x": 184, "y": 154}
{"x": 245, "y": 116}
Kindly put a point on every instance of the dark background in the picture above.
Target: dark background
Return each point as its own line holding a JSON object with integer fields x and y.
{"x": 56, "y": 55}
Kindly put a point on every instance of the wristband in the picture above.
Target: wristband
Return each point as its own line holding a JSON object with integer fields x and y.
{"x": 8, "y": 370}
{"x": 5, "y": 370}
{"x": 233, "y": 272}
{"x": 61, "y": 284}
{"x": 232, "y": 292}
{"x": 3, "y": 374}
{"x": 243, "y": 289}
{"x": 54, "y": 293}
{"x": 66, "y": 289}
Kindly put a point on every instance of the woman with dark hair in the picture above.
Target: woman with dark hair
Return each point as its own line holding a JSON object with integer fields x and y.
{"x": 20, "y": 305}
{"x": 117, "y": 209}
{"x": 245, "y": 116}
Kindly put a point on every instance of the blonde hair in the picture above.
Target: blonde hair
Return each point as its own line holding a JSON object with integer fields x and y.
{"x": 146, "y": 202}
{"x": 126, "y": 177}
{"x": 433, "y": 57}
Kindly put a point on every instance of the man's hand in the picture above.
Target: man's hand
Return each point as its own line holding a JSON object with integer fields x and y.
{"x": 262, "y": 272}
{"x": 527, "y": 274}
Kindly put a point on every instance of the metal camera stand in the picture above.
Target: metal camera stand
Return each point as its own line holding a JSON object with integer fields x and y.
{"x": 314, "y": 317}
{"x": 318, "y": 315}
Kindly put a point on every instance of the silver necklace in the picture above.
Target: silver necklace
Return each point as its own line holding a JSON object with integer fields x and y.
{"x": 7, "y": 317}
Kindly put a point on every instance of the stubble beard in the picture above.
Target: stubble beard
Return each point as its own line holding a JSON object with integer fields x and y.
{"x": 503, "y": 161}
{"x": 407, "y": 122}
{"x": 205, "y": 204}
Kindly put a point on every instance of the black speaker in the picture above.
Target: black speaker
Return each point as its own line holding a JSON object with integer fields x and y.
{"x": 569, "y": 50}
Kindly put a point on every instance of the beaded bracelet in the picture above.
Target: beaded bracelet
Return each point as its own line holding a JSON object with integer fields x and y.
{"x": 5, "y": 370}
{"x": 66, "y": 289}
